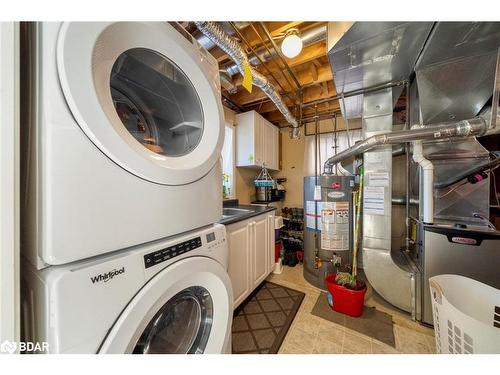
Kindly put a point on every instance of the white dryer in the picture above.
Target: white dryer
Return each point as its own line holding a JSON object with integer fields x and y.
{"x": 123, "y": 128}
{"x": 170, "y": 296}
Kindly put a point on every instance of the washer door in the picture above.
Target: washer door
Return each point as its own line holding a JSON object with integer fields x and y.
{"x": 184, "y": 309}
{"x": 145, "y": 96}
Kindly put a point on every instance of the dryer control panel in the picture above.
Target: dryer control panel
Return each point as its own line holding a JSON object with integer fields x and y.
{"x": 170, "y": 252}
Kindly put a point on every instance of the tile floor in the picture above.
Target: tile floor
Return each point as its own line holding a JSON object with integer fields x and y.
{"x": 311, "y": 334}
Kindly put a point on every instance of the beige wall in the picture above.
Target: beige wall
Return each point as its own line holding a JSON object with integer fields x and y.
{"x": 292, "y": 157}
{"x": 328, "y": 125}
{"x": 245, "y": 188}
{"x": 292, "y": 152}
{"x": 229, "y": 115}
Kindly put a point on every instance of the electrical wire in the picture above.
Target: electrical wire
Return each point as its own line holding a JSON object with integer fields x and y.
{"x": 491, "y": 170}
{"x": 495, "y": 186}
{"x": 452, "y": 190}
{"x": 346, "y": 120}
{"x": 334, "y": 135}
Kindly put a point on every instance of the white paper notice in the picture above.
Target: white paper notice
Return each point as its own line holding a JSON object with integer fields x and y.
{"x": 374, "y": 200}
{"x": 378, "y": 179}
{"x": 317, "y": 193}
{"x": 311, "y": 214}
{"x": 335, "y": 226}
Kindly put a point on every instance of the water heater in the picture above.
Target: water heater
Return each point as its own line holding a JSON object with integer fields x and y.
{"x": 328, "y": 225}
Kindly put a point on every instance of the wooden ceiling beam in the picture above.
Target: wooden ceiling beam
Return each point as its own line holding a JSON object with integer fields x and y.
{"x": 267, "y": 106}
{"x": 306, "y": 77}
{"x": 276, "y": 116}
{"x": 314, "y": 71}
{"x": 276, "y": 28}
{"x": 311, "y": 93}
{"x": 308, "y": 54}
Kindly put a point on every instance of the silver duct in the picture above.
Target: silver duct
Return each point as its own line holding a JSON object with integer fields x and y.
{"x": 309, "y": 37}
{"x": 227, "y": 82}
{"x": 208, "y": 44}
{"x": 385, "y": 272}
{"x": 465, "y": 128}
{"x": 230, "y": 46}
{"x": 456, "y": 69}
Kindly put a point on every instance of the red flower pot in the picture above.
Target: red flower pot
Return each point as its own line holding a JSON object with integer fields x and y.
{"x": 346, "y": 301}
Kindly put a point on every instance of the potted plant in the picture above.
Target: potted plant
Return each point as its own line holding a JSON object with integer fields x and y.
{"x": 347, "y": 292}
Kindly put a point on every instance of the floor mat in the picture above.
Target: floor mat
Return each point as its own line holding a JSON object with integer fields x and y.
{"x": 373, "y": 323}
{"x": 261, "y": 322}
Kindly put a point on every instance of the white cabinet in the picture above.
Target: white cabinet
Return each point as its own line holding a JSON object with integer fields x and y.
{"x": 251, "y": 254}
{"x": 260, "y": 233}
{"x": 257, "y": 141}
{"x": 238, "y": 237}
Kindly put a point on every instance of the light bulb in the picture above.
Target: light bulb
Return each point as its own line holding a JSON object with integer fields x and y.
{"x": 291, "y": 45}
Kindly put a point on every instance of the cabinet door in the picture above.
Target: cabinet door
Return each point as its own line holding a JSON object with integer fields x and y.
{"x": 271, "y": 243}
{"x": 272, "y": 146}
{"x": 245, "y": 142}
{"x": 259, "y": 136}
{"x": 268, "y": 142}
{"x": 239, "y": 242}
{"x": 260, "y": 250}
{"x": 276, "y": 148}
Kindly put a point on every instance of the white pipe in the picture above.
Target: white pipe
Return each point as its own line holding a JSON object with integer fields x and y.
{"x": 427, "y": 178}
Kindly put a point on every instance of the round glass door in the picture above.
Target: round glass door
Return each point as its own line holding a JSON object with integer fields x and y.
{"x": 181, "y": 326}
{"x": 145, "y": 96}
{"x": 156, "y": 102}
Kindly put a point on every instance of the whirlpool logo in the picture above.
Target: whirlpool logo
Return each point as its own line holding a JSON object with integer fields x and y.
{"x": 105, "y": 277}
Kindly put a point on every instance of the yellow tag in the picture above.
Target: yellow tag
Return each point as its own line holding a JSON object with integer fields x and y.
{"x": 247, "y": 77}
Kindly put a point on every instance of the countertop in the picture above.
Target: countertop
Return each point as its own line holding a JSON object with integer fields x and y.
{"x": 255, "y": 211}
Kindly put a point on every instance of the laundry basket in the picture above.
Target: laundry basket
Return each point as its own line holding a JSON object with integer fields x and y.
{"x": 466, "y": 315}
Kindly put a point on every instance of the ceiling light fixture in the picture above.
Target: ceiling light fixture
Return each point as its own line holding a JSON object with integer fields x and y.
{"x": 292, "y": 44}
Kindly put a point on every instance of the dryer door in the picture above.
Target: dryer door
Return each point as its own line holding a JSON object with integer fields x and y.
{"x": 145, "y": 95}
{"x": 186, "y": 308}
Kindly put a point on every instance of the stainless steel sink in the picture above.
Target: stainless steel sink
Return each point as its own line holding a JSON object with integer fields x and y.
{"x": 228, "y": 212}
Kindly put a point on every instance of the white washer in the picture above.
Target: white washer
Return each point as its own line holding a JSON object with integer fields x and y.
{"x": 170, "y": 296}
{"x": 123, "y": 129}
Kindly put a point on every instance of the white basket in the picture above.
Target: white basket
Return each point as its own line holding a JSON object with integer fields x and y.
{"x": 466, "y": 315}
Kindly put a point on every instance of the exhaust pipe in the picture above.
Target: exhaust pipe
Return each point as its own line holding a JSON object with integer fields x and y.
{"x": 427, "y": 182}
{"x": 465, "y": 128}
{"x": 229, "y": 45}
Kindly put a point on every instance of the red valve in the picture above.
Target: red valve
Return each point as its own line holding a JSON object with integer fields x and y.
{"x": 336, "y": 185}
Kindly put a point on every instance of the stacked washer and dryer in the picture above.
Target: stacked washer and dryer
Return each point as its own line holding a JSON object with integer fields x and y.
{"x": 122, "y": 133}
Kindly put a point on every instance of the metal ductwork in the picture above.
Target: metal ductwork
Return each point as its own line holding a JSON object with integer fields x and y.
{"x": 227, "y": 82}
{"x": 230, "y": 46}
{"x": 208, "y": 44}
{"x": 465, "y": 128}
{"x": 457, "y": 69}
{"x": 384, "y": 270}
{"x": 374, "y": 53}
{"x": 309, "y": 37}
{"x": 371, "y": 54}
{"x": 455, "y": 72}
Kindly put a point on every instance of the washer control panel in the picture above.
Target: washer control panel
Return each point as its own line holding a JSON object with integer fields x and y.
{"x": 170, "y": 252}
